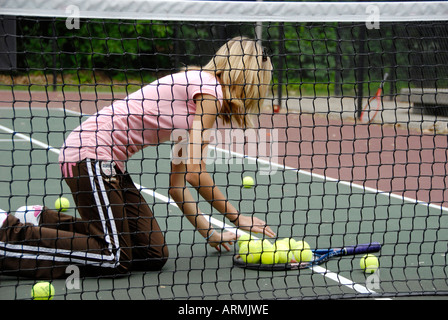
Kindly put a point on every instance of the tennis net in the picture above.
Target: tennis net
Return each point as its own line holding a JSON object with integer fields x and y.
{"x": 335, "y": 162}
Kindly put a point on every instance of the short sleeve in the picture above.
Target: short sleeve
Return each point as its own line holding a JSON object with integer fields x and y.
{"x": 201, "y": 82}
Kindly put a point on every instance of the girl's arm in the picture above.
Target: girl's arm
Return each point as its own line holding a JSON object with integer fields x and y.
{"x": 193, "y": 170}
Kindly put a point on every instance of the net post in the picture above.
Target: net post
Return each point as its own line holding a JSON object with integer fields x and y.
{"x": 281, "y": 52}
{"x": 360, "y": 68}
{"x": 54, "y": 49}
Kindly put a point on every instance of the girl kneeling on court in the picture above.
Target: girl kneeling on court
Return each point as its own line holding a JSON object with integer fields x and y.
{"x": 117, "y": 231}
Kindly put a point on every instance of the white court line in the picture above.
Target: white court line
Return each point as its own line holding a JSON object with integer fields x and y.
{"x": 219, "y": 224}
{"x": 9, "y": 140}
{"x": 31, "y": 140}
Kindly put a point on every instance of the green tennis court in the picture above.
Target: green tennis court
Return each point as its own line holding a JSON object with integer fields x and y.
{"x": 323, "y": 211}
{"x": 330, "y": 168}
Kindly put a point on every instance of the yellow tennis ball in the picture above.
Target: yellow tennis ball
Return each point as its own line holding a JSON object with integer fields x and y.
{"x": 369, "y": 263}
{"x": 243, "y": 252}
{"x": 291, "y": 242}
{"x": 42, "y": 291}
{"x": 303, "y": 255}
{"x": 301, "y": 244}
{"x": 62, "y": 204}
{"x": 248, "y": 182}
{"x": 268, "y": 255}
{"x": 302, "y": 252}
{"x": 251, "y": 253}
{"x": 244, "y": 238}
{"x": 243, "y": 248}
{"x": 282, "y": 251}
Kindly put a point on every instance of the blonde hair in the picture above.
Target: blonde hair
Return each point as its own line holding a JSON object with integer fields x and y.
{"x": 244, "y": 72}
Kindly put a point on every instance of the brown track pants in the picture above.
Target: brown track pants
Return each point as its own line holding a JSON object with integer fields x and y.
{"x": 117, "y": 231}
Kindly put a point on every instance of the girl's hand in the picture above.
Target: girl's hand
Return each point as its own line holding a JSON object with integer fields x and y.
{"x": 253, "y": 224}
{"x": 222, "y": 239}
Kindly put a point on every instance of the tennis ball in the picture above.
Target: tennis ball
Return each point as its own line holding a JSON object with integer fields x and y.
{"x": 282, "y": 251}
{"x": 291, "y": 242}
{"x": 268, "y": 255}
{"x": 251, "y": 253}
{"x": 302, "y": 252}
{"x": 369, "y": 263}
{"x": 243, "y": 251}
{"x": 243, "y": 248}
{"x": 244, "y": 238}
{"x": 42, "y": 291}
{"x": 301, "y": 245}
{"x": 266, "y": 244}
{"x": 248, "y": 182}
{"x": 62, "y": 204}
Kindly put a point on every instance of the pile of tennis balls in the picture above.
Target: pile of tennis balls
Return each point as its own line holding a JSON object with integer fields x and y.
{"x": 286, "y": 250}
{"x": 252, "y": 250}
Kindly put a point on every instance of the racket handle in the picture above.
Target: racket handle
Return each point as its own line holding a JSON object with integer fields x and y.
{"x": 363, "y": 248}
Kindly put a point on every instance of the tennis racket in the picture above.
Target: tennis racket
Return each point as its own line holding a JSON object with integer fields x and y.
{"x": 373, "y": 106}
{"x": 319, "y": 256}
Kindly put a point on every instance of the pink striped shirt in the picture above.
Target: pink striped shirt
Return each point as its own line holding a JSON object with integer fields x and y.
{"x": 146, "y": 117}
